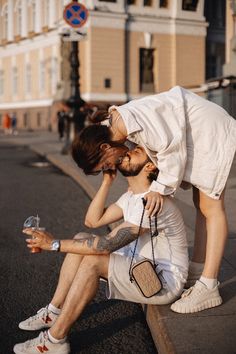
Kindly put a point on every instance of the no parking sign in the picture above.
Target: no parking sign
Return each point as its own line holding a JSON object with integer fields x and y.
{"x": 75, "y": 14}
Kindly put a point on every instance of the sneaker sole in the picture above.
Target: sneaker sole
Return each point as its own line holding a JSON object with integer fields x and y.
{"x": 17, "y": 351}
{"x": 32, "y": 329}
{"x": 204, "y": 306}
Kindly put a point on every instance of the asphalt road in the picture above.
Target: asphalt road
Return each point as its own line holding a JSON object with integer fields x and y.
{"x": 28, "y": 280}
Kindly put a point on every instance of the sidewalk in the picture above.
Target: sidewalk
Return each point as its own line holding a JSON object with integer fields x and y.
{"x": 206, "y": 332}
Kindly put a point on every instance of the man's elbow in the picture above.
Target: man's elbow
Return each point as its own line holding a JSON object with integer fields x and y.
{"x": 90, "y": 224}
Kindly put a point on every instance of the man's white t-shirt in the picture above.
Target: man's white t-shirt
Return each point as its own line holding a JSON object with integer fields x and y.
{"x": 170, "y": 246}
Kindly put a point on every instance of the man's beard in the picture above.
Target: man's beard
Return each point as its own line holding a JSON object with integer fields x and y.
{"x": 133, "y": 170}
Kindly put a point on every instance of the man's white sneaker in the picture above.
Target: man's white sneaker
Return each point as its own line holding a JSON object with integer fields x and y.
{"x": 197, "y": 298}
{"x": 43, "y": 319}
{"x": 41, "y": 344}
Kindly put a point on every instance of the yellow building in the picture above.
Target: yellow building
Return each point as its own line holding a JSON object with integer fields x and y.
{"x": 132, "y": 48}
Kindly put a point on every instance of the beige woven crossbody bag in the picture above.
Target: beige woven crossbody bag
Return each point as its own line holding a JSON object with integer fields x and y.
{"x": 143, "y": 273}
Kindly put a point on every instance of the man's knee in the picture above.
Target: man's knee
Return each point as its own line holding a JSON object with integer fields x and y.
{"x": 97, "y": 264}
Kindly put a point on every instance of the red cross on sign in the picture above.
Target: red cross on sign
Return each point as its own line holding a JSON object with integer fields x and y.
{"x": 75, "y": 14}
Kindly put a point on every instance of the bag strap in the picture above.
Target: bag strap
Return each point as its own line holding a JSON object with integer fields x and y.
{"x": 152, "y": 234}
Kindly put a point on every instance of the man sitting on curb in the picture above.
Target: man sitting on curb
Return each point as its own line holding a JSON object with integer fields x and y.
{"x": 92, "y": 257}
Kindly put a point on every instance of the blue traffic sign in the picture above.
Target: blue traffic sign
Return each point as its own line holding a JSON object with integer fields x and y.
{"x": 75, "y": 14}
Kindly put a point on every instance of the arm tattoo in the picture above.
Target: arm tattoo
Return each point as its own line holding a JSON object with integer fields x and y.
{"x": 85, "y": 239}
{"x": 120, "y": 239}
{"x": 108, "y": 243}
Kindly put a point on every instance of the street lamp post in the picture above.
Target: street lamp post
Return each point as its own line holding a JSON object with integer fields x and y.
{"x": 75, "y": 102}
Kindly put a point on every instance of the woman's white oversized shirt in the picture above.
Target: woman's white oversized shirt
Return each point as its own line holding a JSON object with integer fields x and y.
{"x": 187, "y": 137}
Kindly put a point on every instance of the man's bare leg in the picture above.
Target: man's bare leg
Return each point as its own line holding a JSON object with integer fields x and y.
{"x": 83, "y": 289}
{"x": 68, "y": 271}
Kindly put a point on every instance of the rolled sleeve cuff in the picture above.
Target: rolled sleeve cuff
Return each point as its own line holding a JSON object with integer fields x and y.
{"x": 156, "y": 186}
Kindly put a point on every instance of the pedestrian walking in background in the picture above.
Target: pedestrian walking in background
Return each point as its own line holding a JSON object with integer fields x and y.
{"x": 6, "y": 123}
{"x": 14, "y": 124}
{"x": 61, "y": 117}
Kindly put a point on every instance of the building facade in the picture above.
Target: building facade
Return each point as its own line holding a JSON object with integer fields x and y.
{"x": 130, "y": 48}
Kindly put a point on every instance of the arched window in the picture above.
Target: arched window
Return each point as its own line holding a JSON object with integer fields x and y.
{"x": 4, "y": 14}
{"x": 18, "y": 10}
{"x": 32, "y": 14}
{"x": 46, "y": 9}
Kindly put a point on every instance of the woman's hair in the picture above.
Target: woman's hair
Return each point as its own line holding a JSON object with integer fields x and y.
{"x": 99, "y": 116}
{"x": 85, "y": 148}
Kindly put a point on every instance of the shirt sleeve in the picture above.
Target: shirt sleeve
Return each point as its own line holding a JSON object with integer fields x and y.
{"x": 171, "y": 161}
{"x": 121, "y": 202}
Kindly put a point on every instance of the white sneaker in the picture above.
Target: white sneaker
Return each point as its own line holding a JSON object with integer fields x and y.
{"x": 41, "y": 344}
{"x": 197, "y": 298}
{"x": 43, "y": 319}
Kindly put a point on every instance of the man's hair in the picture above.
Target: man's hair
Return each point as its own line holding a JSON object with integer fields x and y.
{"x": 85, "y": 148}
{"x": 153, "y": 175}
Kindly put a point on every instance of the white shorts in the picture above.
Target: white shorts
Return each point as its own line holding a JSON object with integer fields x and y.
{"x": 120, "y": 287}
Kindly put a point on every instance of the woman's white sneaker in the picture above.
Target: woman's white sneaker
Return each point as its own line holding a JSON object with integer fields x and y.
{"x": 41, "y": 344}
{"x": 197, "y": 298}
{"x": 44, "y": 318}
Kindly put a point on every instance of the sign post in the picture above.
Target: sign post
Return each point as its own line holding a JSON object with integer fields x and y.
{"x": 74, "y": 14}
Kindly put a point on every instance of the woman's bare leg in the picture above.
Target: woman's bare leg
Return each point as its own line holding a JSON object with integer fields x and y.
{"x": 217, "y": 230}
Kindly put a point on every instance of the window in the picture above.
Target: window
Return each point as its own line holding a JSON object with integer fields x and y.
{"x": 39, "y": 119}
{"x": 1, "y": 82}
{"x": 163, "y": 3}
{"x": 5, "y": 21}
{"x": 19, "y": 20}
{"x": 131, "y": 2}
{"x": 14, "y": 81}
{"x": 46, "y": 9}
{"x": 146, "y": 61}
{"x": 33, "y": 13}
{"x": 28, "y": 79}
{"x": 107, "y": 83}
{"x": 26, "y": 119}
{"x": 147, "y": 3}
{"x": 42, "y": 77}
{"x": 54, "y": 70}
{"x": 189, "y": 5}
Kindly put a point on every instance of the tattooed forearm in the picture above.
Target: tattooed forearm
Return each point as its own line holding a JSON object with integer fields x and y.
{"x": 92, "y": 244}
{"x": 120, "y": 239}
{"x": 85, "y": 239}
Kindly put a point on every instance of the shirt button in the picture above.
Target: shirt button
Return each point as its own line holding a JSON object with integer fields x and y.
{"x": 217, "y": 194}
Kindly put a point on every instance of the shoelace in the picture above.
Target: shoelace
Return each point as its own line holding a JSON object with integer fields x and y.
{"x": 41, "y": 339}
{"x": 38, "y": 314}
{"x": 187, "y": 292}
